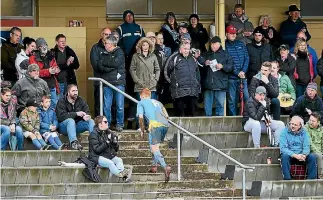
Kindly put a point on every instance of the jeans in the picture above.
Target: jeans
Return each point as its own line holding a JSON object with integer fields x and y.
{"x": 233, "y": 95}
{"x": 68, "y": 127}
{"x": 115, "y": 165}
{"x": 53, "y": 98}
{"x": 109, "y": 96}
{"x": 209, "y": 96}
{"x": 256, "y": 128}
{"x": 300, "y": 90}
{"x": 62, "y": 87}
{"x": 5, "y": 135}
{"x": 275, "y": 108}
{"x": 310, "y": 166}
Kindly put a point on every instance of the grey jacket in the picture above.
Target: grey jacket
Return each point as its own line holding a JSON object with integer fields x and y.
{"x": 144, "y": 71}
{"x": 242, "y": 25}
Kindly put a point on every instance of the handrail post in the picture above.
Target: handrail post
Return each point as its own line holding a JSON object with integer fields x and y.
{"x": 101, "y": 98}
{"x": 243, "y": 183}
{"x": 178, "y": 155}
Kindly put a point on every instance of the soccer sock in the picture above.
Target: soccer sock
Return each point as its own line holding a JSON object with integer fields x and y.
{"x": 36, "y": 144}
{"x": 160, "y": 158}
{"x": 42, "y": 142}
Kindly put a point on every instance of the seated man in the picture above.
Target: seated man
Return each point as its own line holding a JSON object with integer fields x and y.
{"x": 73, "y": 115}
{"x": 264, "y": 78}
{"x": 315, "y": 131}
{"x": 295, "y": 147}
{"x": 256, "y": 117}
{"x": 103, "y": 147}
{"x": 308, "y": 103}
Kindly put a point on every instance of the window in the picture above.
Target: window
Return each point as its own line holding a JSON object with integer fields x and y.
{"x": 158, "y": 8}
{"x": 17, "y": 8}
{"x": 311, "y": 9}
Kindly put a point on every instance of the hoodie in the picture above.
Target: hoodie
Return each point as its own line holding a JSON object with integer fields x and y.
{"x": 294, "y": 142}
{"x": 316, "y": 137}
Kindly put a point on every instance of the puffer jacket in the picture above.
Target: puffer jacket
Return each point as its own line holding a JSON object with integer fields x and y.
{"x": 217, "y": 80}
{"x": 29, "y": 88}
{"x": 285, "y": 85}
{"x": 242, "y": 25}
{"x": 316, "y": 138}
{"x": 302, "y": 102}
{"x": 10, "y": 118}
{"x": 29, "y": 120}
{"x": 294, "y": 142}
{"x": 111, "y": 66}
{"x": 320, "y": 69}
{"x": 199, "y": 35}
{"x": 272, "y": 87}
{"x": 254, "y": 110}
{"x": 96, "y": 50}
{"x": 47, "y": 118}
{"x": 145, "y": 71}
{"x": 239, "y": 54}
{"x": 288, "y": 65}
{"x": 98, "y": 145}
{"x": 184, "y": 76}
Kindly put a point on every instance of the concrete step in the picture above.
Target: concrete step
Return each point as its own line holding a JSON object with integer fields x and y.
{"x": 227, "y": 192}
{"x": 132, "y": 145}
{"x": 57, "y": 174}
{"x": 290, "y": 188}
{"x": 185, "y": 176}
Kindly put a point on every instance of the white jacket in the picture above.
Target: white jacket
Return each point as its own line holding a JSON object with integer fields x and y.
{"x": 21, "y": 63}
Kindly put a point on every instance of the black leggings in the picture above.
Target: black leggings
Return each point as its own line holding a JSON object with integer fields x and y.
{"x": 179, "y": 106}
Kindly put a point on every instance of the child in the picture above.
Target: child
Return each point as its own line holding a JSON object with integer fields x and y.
{"x": 29, "y": 120}
{"x": 49, "y": 124}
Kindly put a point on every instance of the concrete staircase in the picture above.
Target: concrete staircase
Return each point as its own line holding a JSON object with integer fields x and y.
{"x": 205, "y": 174}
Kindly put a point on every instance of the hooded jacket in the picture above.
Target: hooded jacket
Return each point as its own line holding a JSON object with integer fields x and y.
{"x": 95, "y": 53}
{"x": 98, "y": 145}
{"x": 272, "y": 87}
{"x": 242, "y": 25}
{"x": 289, "y": 30}
{"x": 254, "y": 110}
{"x": 199, "y": 35}
{"x": 29, "y": 120}
{"x": 145, "y": 71}
{"x": 29, "y": 88}
{"x": 288, "y": 66}
{"x": 294, "y": 142}
{"x": 316, "y": 138}
{"x": 9, "y": 53}
{"x": 47, "y": 118}
{"x": 302, "y": 102}
{"x": 10, "y": 118}
{"x": 285, "y": 85}
{"x": 111, "y": 66}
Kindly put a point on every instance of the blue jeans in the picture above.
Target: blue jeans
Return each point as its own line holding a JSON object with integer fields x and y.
{"x": 209, "y": 96}
{"x": 310, "y": 166}
{"x": 69, "y": 128}
{"x": 53, "y": 98}
{"x": 62, "y": 87}
{"x": 115, "y": 165}
{"x": 5, "y": 135}
{"x": 300, "y": 90}
{"x": 109, "y": 96}
{"x": 233, "y": 95}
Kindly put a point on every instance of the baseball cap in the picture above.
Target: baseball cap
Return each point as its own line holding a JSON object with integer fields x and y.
{"x": 231, "y": 29}
{"x": 182, "y": 24}
{"x": 283, "y": 47}
{"x": 261, "y": 90}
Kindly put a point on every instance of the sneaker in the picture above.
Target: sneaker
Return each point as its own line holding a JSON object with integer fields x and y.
{"x": 153, "y": 169}
{"x": 168, "y": 169}
{"x": 46, "y": 147}
{"x": 76, "y": 145}
{"x": 119, "y": 129}
{"x": 63, "y": 147}
{"x": 124, "y": 173}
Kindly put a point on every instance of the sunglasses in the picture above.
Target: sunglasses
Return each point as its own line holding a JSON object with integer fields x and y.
{"x": 105, "y": 122}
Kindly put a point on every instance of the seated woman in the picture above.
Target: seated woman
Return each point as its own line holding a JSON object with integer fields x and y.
{"x": 287, "y": 95}
{"x": 103, "y": 147}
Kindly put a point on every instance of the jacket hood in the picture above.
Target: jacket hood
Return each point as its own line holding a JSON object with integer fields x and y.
{"x": 301, "y": 131}
{"x": 141, "y": 41}
{"x": 233, "y": 17}
{"x": 319, "y": 128}
{"x": 100, "y": 44}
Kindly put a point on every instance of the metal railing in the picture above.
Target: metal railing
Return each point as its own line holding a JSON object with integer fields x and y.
{"x": 242, "y": 166}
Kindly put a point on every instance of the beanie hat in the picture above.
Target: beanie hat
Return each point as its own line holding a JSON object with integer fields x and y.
{"x": 183, "y": 24}
{"x": 31, "y": 102}
{"x": 41, "y": 42}
{"x": 258, "y": 30}
{"x": 126, "y": 12}
{"x": 312, "y": 86}
{"x": 215, "y": 39}
{"x": 261, "y": 90}
{"x": 194, "y": 15}
{"x": 32, "y": 67}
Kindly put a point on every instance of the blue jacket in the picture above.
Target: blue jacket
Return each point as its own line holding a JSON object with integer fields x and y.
{"x": 291, "y": 143}
{"x": 129, "y": 35}
{"x": 47, "y": 118}
{"x": 289, "y": 30}
{"x": 314, "y": 57}
{"x": 239, "y": 54}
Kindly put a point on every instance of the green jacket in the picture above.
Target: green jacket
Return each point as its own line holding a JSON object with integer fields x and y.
{"x": 316, "y": 136}
{"x": 285, "y": 85}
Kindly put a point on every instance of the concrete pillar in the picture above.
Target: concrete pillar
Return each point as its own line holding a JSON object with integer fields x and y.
{"x": 221, "y": 21}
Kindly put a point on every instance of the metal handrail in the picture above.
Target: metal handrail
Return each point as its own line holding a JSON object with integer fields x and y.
{"x": 244, "y": 167}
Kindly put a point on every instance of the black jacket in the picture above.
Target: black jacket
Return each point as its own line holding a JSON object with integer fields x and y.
{"x": 217, "y": 80}
{"x": 111, "y": 64}
{"x": 98, "y": 145}
{"x": 257, "y": 55}
{"x": 302, "y": 102}
{"x": 288, "y": 66}
{"x": 319, "y": 68}
{"x": 199, "y": 35}
{"x": 254, "y": 109}
{"x": 169, "y": 40}
{"x": 9, "y": 53}
{"x": 68, "y": 70}
{"x": 65, "y": 110}
{"x": 96, "y": 50}
{"x": 272, "y": 87}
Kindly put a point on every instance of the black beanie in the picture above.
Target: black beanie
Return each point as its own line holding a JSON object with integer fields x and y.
{"x": 194, "y": 15}
{"x": 170, "y": 14}
{"x": 126, "y": 12}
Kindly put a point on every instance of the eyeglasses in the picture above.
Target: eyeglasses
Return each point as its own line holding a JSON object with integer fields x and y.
{"x": 105, "y": 122}
{"x": 106, "y": 34}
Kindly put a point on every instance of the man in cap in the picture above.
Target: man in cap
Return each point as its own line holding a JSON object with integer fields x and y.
{"x": 215, "y": 75}
{"x": 198, "y": 32}
{"x": 30, "y": 87}
{"x": 256, "y": 117}
{"x": 239, "y": 54}
{"x": 259, "y": 52}
{"x": 308, "y": 103}
{"x": 291, "y": 26}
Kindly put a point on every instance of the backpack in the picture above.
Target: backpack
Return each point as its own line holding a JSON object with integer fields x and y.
{"x": 90, "y": 171}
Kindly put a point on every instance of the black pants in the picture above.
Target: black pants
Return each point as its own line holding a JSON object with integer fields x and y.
{"x": 179, "y": 106}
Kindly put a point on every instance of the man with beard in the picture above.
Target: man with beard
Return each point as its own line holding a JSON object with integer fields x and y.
{"x": 30, "y": 87}
{"x": 73, "y": 115}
